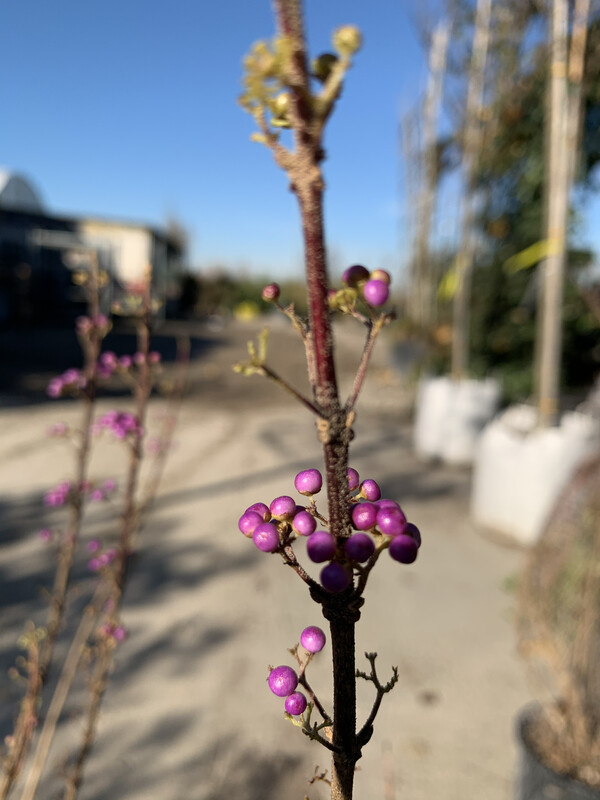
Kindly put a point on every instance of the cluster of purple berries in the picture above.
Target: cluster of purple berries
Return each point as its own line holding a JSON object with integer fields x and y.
{"x": 70, "y": 381}
{"x": 378, "y": 522}
{"x": 109, "y": 362}
{"x": 283, "y": 680}
{"x": 73, "y": 380}
{"x": 120, "y": 423}
{"x": 85, "y": 325}
{"x": 60, "y": 494}
{"x": 373, "y": 287}
{"x": 101, "y": 558}
{"x": 109, "y": 630}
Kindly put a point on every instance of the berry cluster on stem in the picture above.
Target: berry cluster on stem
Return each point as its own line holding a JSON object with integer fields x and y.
{"x": 281, "y": 90}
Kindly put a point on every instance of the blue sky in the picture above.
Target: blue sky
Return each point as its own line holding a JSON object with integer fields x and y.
{"x": 127, "y": 109}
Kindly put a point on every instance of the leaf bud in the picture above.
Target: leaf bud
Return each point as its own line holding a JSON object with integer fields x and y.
{"x": 347, "y": 40}
{"x": 322, "y": 66}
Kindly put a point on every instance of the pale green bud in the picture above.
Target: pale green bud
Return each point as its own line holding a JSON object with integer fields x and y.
{"x": 347, "y": 40}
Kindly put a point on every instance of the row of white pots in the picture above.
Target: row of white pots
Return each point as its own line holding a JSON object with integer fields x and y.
{"x": 518, "y": 469}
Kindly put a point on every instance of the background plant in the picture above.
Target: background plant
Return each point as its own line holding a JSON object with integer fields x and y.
{"x": 559, "y": 625}
{"x": 94, "y": 626}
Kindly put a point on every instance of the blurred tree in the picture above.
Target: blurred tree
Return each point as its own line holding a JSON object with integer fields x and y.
{"x": 510, "y": 180}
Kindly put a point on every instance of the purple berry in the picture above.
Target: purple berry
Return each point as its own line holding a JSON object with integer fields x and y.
{"x": 119, "y": 633}
{"x": 283, "y": 508}
{"x": 321, "y": 546}
{"x": 312, "y": 639}
{"x": 282, "y": 681}
{"x": 261, "y": 509}
{"x": 412, "y": 530}
{"x": 364, "y": 516}
{"x": 271, "y": 292}
{"x": 359, "y": 547}
{"x": 304, "y": 523}
{"x": 249, "y": 521}
{"x": 266, "y": 537}
{"x": 335, "y": 578}
{"x": 369, "y": 489}
{"x": 403, "y": 548}
{"x": 391, "y": 521}
{"x": 353, "y": 479}
{"x": 296, "y": 704}
{"x": 376, "y": 292}
{"x": 387, "y": 504}
{"x": 308, "y": 482}
{"x": 354, "y": 274}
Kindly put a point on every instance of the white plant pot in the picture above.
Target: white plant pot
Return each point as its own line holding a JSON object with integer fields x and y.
{"x": 519, "y": 470}
{"x": 450, "y": 416}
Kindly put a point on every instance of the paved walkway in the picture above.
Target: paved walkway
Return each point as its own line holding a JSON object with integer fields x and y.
{"x": 188, "y": 715}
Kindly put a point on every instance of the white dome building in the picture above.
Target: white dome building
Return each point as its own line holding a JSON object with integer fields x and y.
{"x": 18, "y": 193}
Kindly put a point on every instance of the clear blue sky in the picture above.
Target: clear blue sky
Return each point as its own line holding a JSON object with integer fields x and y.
{"x": 128, "y": 108}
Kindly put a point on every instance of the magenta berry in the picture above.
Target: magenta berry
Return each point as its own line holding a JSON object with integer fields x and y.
{"x": 321, "y": 546}
{"x": 404, "y": 549}
{"x": 309, "y": 481}
{"x": 271, "y": 292}
{"x": 354, "y": 274}
{"x": 391, "y": 521}
{"x": 304, "y": 523}
{"x": 369, "y": 489}
{"x": 353, "y": 479}
{"x": 296, "y": 704}
{"x": 312, "y": 639}
{"x": 282, "y": 681}
{"x": 364, "y": 516}
{"x": 119, "y": 633}
{"x": 335, "y": 578}
{"x": 385, "y": 503}
{"x": 249, "y": 521}
{"x": 283, "y": 508}
{"x": 376, "y": 292}
{"x": 412, "y": 530}
{"x": 261, "y": 509}
{"x": 266, "y": 537}
{"x": 360, "y": 547}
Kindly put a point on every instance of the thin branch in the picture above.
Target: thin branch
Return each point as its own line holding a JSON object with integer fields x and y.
{"x": 366, "y": 569}
{"x": 374, "y": 330}
{"x": 366, "y": 731}
{"x": 269, "y": 373}
{"x": 59, "y": 697}
{"x": 289, "y": 558}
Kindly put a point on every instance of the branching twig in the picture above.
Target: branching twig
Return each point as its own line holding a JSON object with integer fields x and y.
{"x": 374, "y": 330}
{"x": 366, "y": 731}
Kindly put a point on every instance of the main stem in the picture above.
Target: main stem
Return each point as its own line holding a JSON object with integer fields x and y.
{"x": 335, "y": 437}
{"x": 334, "y": 432}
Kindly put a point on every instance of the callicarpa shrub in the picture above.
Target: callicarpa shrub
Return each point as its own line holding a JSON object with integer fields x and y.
{"x": 284, "y": 91}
